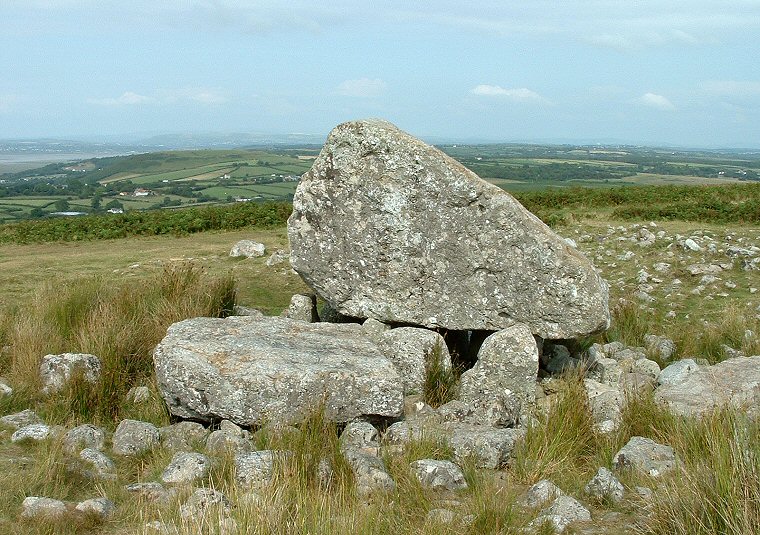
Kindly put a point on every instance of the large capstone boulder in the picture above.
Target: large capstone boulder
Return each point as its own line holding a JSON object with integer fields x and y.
{"x": 274, "y": 370}
{"x": 734, "y": 382}
{"x": 387, "y": 227}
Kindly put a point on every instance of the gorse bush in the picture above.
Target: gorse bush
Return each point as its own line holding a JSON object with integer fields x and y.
{"x": 121, "y": 324}
{"x": 148, "y": 223}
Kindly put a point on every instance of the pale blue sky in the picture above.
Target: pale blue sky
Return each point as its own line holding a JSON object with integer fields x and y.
{"x": 649, "y": 72}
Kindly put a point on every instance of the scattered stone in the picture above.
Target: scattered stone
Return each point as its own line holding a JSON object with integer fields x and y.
{"x": 563, "y": 511}
{"x": 84, "y": 436}
{"x": 540, "y": 493}
{"x": 440, "y": 516}
{"x": 101, "y": 508}
{"x": 183, "y": 436}
{"x": 401, "y": 433}
{"x": 162, "y": 528}
{"x": 5, "y": 389}
{"x": 57, "y": 370}
{"x": 662, "y": 347}
{"x": 278, "y": 257}
{"x": 661, "y": 267}
{"x": 201, "y": 501}
{"x": 606, "y": 371}
{"x": 38, "y": 507}
{"x": 133, "y": 437}
{"x": 186, "y": 467}
{"x": 645, "y": 367}
{"x": 360, "y": 435}
{"x": 505, "y": 372}
{"x": 676, "y": 373}
{"x": 420, "y": 227}
{"x": 704, "y": 269}
{"x": 152, "y": 492}
{"x": 369, "y": 471}
{"x": 240, "y": 310}
{"x": 691, "y": 245}
{"x": 488, "y": 447}
{"x": 411, "y": 350}
{"x": 605, "y": 486}
{"x": 733, "y": 382}
{"x": 256, "y": 469}
{"x": 138, "y": 395}
{"x": 645, "y": 455}
{"x": 497, "y": 411}
{"x": 221, "y": 442}
{"x": 33, "y": 432}
{"x": 99, "y": 465}
{"x": 374, "y": 328}
{"x": 438, "y": 475}
{"x": 606, "y": 404}
{"x": 303, "y": 308}
{"x": 274, "y": 370}
{"x": 248, "y": 249}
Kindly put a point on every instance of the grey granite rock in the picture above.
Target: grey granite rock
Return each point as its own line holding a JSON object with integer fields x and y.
{"x": 32, "y": 432}
{"x": 84, "y": 436}
{"x": 359, "y": 435}
{"x": 257, "y": 469}
{"x": 562, "y": 512}
{"x": 733, "y": 382}
{"x": 39, "y": 507}
{"x": 677, "y": 372}
{"x": 369, "y": 471}
{"x": 303, "y": 308}
{"x": 186, "y": 467}
{"x": 133, "y": 437}
{"x": 411, "y": 350}
{"x": 438, "y": 475}
{"x": 605, "y": 486}
{"x": 505, "y": 371}
{"x": 387, "y": 227}
{"x": 274, "y": 370}
{"x": 248, "y": 249}
{"x": 97, "y": 464}
{"x": 201, "y": 501}
{"x": 487, "y": 447}
{"x": 540, "y": 493}
{"x": 57, "y": 370}
{"x": 646, "y": 456}
{"x": 183, "y": 436}
{"x": 20, "y": 419}
{"x": 100, "y": 508}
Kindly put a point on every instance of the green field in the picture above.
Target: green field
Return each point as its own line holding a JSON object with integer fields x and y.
{"x": 202, "y": 177}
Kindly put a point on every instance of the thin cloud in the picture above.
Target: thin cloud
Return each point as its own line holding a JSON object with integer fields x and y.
{"x": 8, "y": 102}
{"x": 128, "y": 98}
{"x": 203, "y": 95}
{"x": 653, "y": 100}
{"x": 362, "y": 88}
{"x": 519, "y": 94}
{"x": 732, "y": 87}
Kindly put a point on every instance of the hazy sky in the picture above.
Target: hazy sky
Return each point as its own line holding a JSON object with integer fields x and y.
{"x": 636, "y": 71}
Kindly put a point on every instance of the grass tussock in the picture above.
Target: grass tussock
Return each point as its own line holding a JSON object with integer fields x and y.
{"x": 718, "y": 489}
{"x": 121, "y": 324}
{"x": 729, "y": 329}
{"x": 441, "y": 381}
{"x": 630, "y": 324}
{"x": 561, "y": 445}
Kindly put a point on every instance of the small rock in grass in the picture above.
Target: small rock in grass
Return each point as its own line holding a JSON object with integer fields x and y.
{"x": 152, "y": 492}
{"x": 101, "y": 508}
{"x": 605, "y": 486}
{"x": 561, "y": 513}
{"x": 183, "y": 436}
{"x": 133, "y": 437}
{"x": 440, "y": 516}
{"x": 38, "y": 507}
{"x": 20, "y": 419}
{"x": 540, "y": 493}
{"x": 645, "y": 455}
{"x": 33, "y": 432}
{"x": 438, "y": 475}
{"x": 57, "y": 370}
{"x": 186, "y": 467}
{"x": 84, "y": 436}
{"x": 201, "y": 501}
{"x": 247, "y": 249}
{"x": 99, "y": 465}
{"x": 361, "y": 435}
{"x": 138, "y": 395}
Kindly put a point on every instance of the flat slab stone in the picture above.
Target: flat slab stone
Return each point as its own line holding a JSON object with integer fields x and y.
{"x": 385, "y": 226}
{"x": 734, "y": 383}
{"x": 273, "y": 370}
